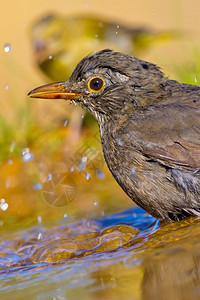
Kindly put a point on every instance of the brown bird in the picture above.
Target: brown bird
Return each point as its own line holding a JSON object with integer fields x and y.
{"x": 149, "y": 126}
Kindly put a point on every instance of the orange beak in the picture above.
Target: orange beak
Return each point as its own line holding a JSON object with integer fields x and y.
{"x": 55, "y": 90}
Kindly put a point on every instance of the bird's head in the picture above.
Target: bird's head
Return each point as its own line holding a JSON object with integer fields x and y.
{"x": 107, "y": 84}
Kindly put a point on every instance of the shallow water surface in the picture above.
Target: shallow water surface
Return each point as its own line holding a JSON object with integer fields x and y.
{"x": 127, "y": 255}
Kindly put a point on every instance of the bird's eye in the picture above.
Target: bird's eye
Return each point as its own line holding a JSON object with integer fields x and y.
{"x": 96, "y": 84}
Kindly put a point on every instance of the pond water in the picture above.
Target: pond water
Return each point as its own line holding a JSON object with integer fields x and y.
{"x": 127, "y": 255}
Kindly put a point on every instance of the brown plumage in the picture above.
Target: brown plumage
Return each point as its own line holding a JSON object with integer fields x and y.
{"x": 149, "y": 125}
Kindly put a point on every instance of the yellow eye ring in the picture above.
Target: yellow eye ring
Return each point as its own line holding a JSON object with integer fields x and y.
{"x": 96, "y": 84}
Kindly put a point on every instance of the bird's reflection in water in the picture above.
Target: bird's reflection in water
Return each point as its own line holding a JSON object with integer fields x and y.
{"x": 172, "y": 270}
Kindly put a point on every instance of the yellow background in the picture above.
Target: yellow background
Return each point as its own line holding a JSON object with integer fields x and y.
{"x": 16, "y": 18}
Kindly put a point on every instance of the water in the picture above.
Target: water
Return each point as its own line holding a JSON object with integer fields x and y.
{"x": 3, "y": 204}
{"x": 27, "y": 155}
{"x": 78, "y": 247}
{"x": 100, "y": 174}
{"x": 65, "y": 123}
{"x": 7, "y": 48}
{"x": 127, "y": 255}
{"x": 87, "y": 176}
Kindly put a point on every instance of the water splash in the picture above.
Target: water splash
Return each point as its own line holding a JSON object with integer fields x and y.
{"x": 40, "y": 236}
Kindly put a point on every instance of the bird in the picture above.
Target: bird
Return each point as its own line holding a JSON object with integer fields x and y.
{"x": 60, "y": 41}
{"x": 149, "y": 127}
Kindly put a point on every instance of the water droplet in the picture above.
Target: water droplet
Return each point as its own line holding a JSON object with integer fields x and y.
{"x": 116, "y": 32}
{"x": 50, "y": 176}
{"x": 3, "y": 205}
{"x": 195, "y": 79}
{"x": 88, "y": 223}
{"x": 50, "y": 57}
{"x": 39, "y": 218}
{"x": 100, "y": 174}
{"x": 133, "y": 171}
{"x": 37, "y": 186}
{"x": 87, "y": 176}
{"x": 65, "y": 215}
{"x": 95, "y": 203}
{"x": 83, "y": 162}
{"x": 72, "y": 169}
{"x": 40, "y": 236}
{"x": 66, "y": 122}
{"x": 7, "y": 48}
{"x": 117, "y": 26}
{"x": 26, "y": 154}
{"x": 82, "y": 117}
{"x": 6, "y": 86}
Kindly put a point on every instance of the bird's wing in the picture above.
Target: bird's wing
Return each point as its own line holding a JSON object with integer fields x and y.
{"x": 169, "y": 134}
